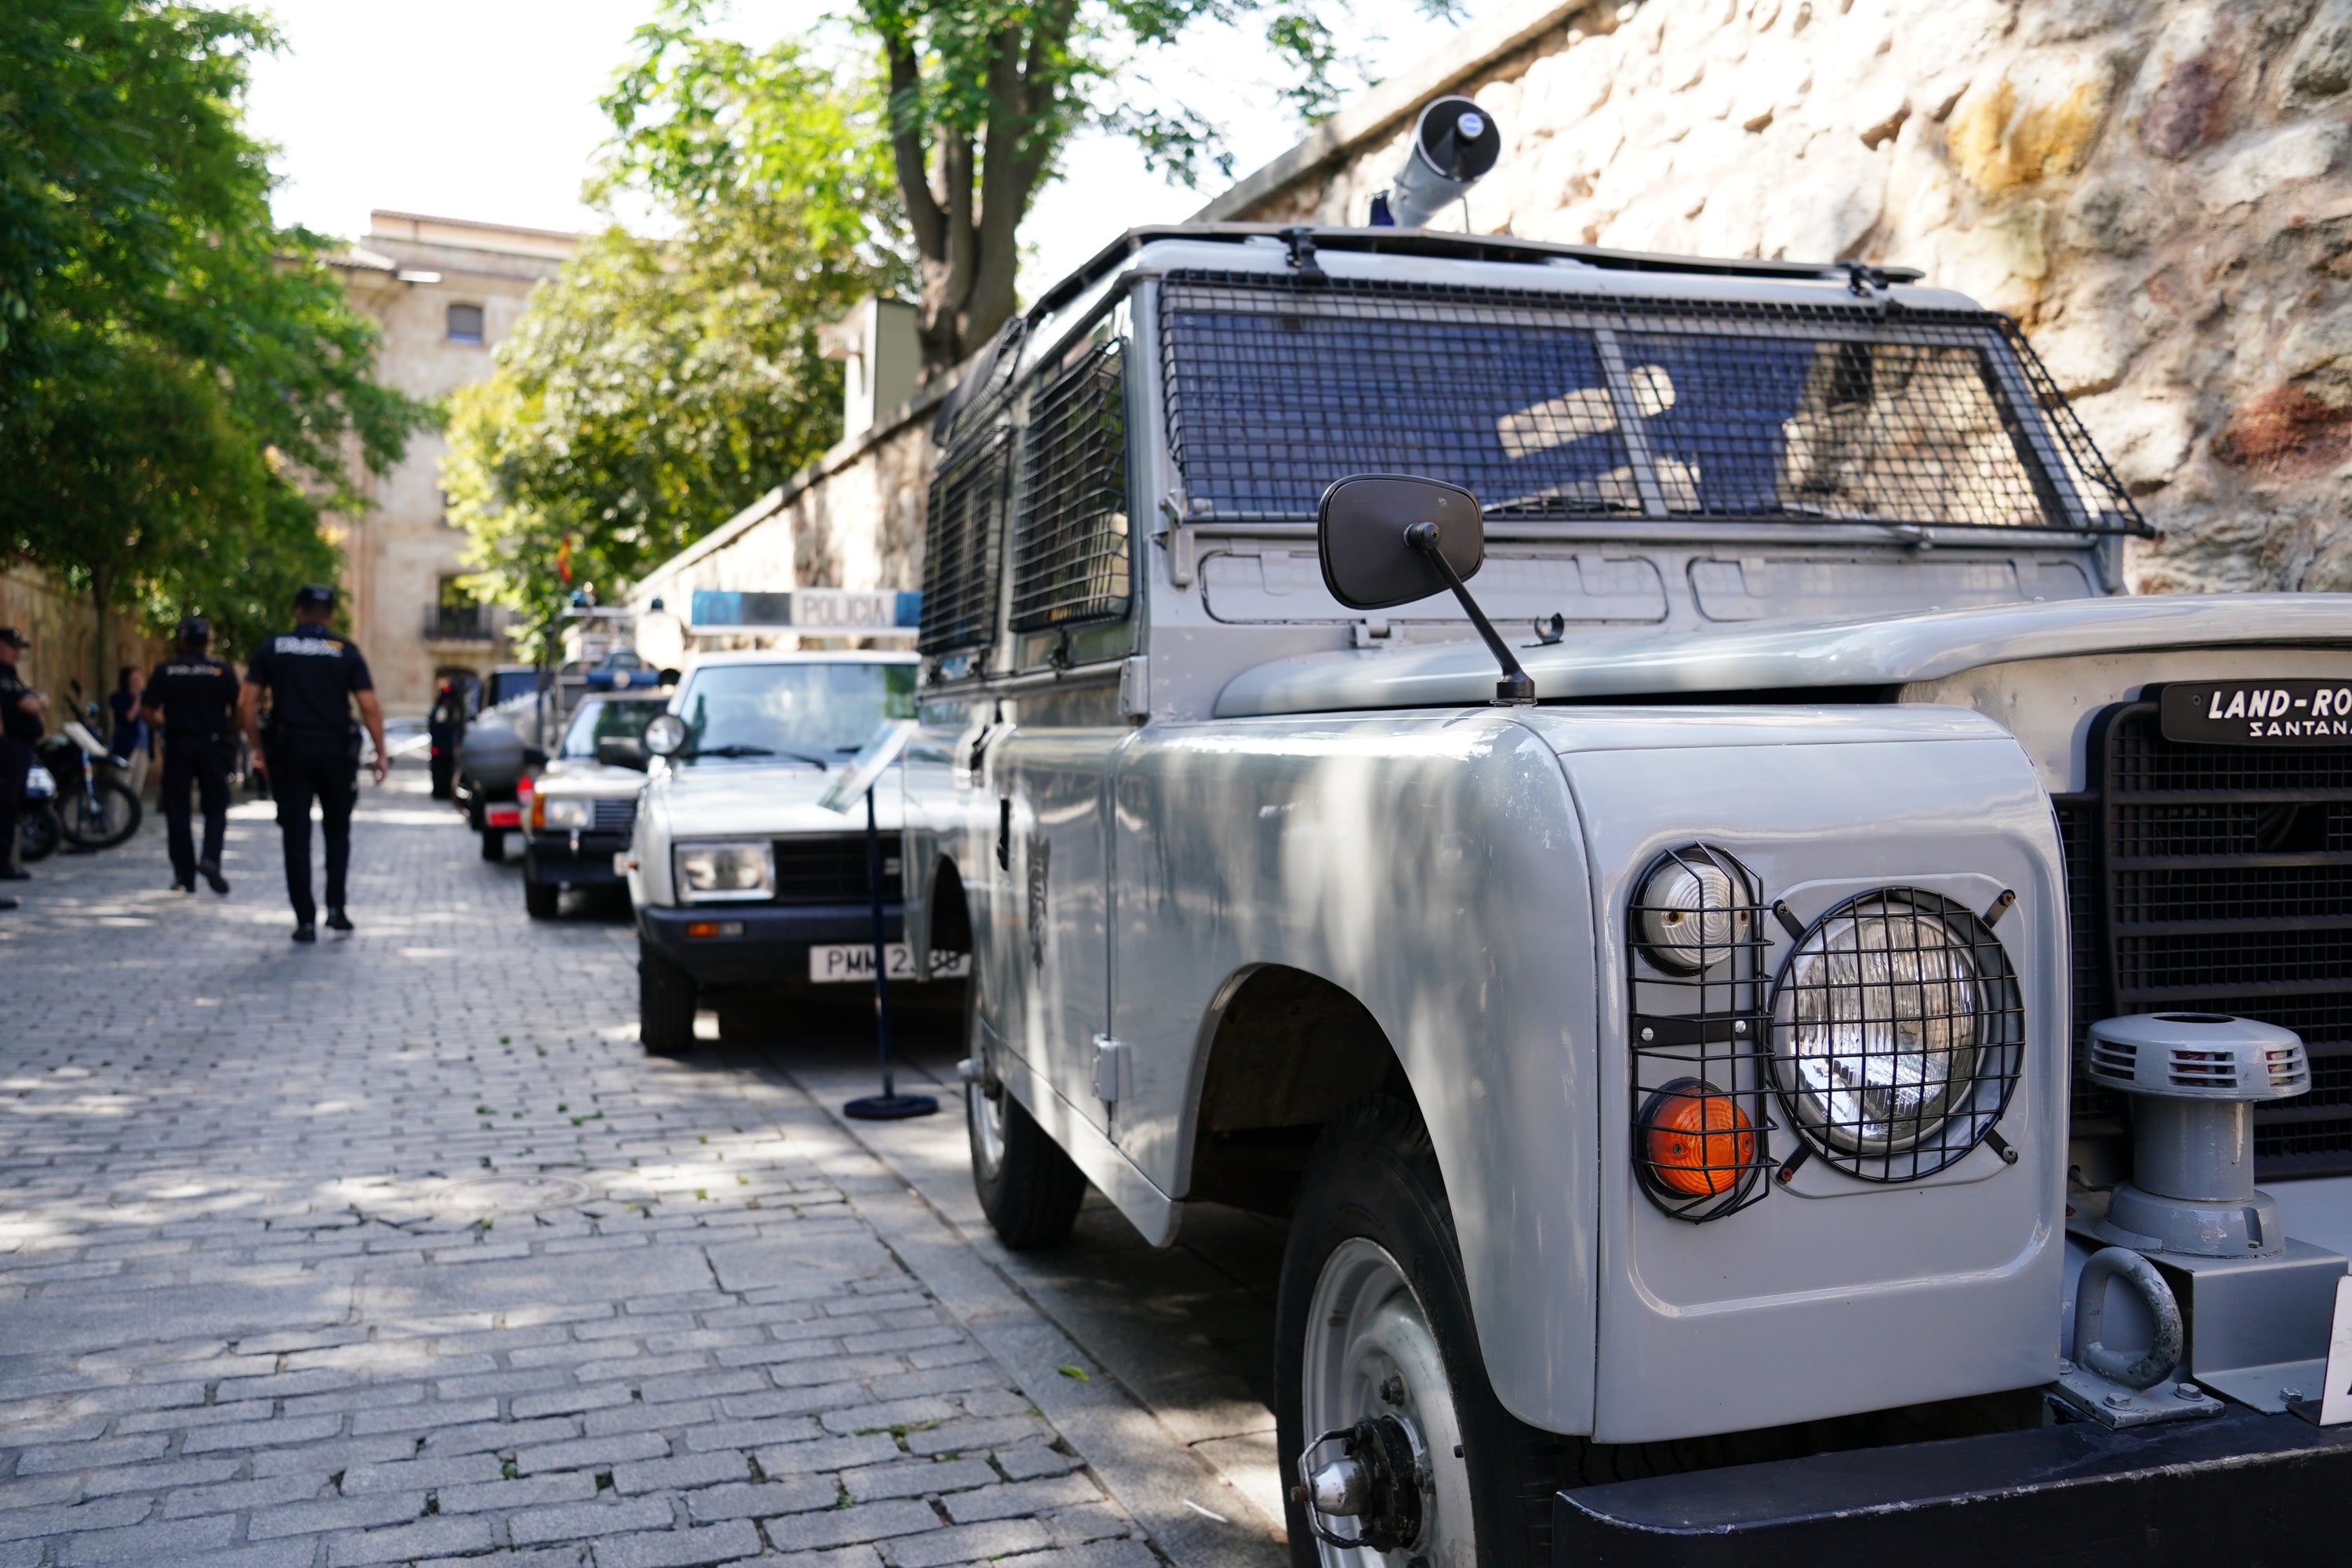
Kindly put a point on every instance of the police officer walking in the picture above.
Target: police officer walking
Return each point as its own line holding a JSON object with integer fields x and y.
{"x": 311, "y": 750}
{"x": 21, "y": 708}
{"x": 197, "y": 695}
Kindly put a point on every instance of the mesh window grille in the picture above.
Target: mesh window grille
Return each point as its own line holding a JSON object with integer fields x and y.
{"x": 965, "y": 544}
{"x": 1070, "y": 551}
{"x": 1550, "y": 406}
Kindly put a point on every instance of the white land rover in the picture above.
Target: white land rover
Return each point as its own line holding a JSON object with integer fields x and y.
{"x": 741, "y": 880}
{"x": 1767, "y": 1046}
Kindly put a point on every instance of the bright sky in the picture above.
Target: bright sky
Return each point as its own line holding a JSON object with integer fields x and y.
{"x": 486, "y": 110}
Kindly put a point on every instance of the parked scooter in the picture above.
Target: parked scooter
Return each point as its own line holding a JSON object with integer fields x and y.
{"x": 94, "y": 809}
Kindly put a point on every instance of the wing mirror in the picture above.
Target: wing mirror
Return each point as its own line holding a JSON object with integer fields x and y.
{"x": 665, "y": 735}
{"x": 1389, "y": 538}
{"x": 621, "y": 751}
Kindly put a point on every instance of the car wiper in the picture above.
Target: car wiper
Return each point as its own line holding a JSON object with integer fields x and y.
{"x": 734, "y": 750}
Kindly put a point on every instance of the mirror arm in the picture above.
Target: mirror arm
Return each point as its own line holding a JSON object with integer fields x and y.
{"x": 1514, "y": 689}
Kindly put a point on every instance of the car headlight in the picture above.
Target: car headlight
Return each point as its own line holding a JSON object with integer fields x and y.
{"x": 1897, "y": 1033}
{"x": 561, "y": 812}
{"x": 709, "y": 873}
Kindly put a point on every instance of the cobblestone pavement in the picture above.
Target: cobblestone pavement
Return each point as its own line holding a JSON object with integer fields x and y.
{"x": 397, "y": 1249}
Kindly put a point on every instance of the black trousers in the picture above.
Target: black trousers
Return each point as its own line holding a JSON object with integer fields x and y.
{"x": 324, "y": 768}
{"x": 16, "y": 760}
{"x": 203, "y": 759}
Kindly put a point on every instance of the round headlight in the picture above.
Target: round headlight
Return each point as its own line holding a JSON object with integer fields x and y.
{"x": 1690, "y": 915}
{"x": 1891, "y": 1013}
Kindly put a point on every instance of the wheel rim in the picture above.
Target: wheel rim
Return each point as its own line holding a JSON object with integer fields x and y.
{"x": 986, "y": 1113}
{"x": 1371, "y": 1353}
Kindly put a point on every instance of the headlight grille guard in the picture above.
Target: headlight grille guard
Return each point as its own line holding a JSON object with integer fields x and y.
{"x": 1707, "y": 1011}
{"x": 1930, "y": 963}
{"x": 1697, "y": 1035}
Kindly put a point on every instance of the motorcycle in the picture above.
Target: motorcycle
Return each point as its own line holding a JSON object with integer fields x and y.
{"x": 94, "y": 810}
{"x": 38, "y": 828}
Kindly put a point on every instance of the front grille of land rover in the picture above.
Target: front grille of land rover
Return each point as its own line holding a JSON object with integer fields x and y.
{"x": 2226, "y": 881}
{"x": 1546, "y": 404}
{"x": 830, "y": 870}
{"x": 1070, "y": 534}
{"x": 617, "y": 816}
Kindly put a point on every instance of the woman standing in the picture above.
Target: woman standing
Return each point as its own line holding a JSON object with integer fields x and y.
{"x": 134, "y": 738}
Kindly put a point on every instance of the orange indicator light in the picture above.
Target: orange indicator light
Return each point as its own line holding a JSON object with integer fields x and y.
{"x": 1696, "y": 1139}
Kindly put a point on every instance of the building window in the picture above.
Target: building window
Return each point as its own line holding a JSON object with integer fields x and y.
{"x": 464, "y": 323}
{"x": 456, "y": 616}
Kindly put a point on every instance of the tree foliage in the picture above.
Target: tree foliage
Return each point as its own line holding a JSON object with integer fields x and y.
{"x": 984, "y": 98}
{"x": 657, "y": 387}
{"x": 178, "y": 378}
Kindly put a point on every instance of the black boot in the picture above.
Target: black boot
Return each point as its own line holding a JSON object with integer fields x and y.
{"x": 338, "y": 920}
{"x": 212, "y": 877}
{"x": 305, "y": 931}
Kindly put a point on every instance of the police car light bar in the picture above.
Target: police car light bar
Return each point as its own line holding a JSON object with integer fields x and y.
{"x": 819, "y": 612}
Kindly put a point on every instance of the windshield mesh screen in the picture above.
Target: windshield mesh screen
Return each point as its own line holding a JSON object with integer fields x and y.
{"x": 1544, "y": 405}
{"x": 1069, "y": 561}
{"x": 963, "y": 543}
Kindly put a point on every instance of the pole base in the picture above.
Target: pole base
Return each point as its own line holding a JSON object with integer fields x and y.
{"x": 890, "y": 1106}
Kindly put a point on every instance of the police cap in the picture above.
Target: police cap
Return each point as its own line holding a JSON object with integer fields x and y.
{"x": 196, "y": 631}
{"x": 314, "y": 596}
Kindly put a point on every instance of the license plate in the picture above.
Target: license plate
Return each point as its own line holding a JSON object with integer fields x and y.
{"x": 502, "y": 816}
{"x": 2264, "y": 712}
{"x": 837, "y": 961}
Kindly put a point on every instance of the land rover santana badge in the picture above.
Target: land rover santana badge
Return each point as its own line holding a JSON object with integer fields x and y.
{"x": 2269, "y": 712}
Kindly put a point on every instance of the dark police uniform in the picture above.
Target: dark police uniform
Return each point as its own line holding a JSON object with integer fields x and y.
{"x": 312, "y": 747}
{"x": 18, "y": 732}
{"x": 198, "y": 695}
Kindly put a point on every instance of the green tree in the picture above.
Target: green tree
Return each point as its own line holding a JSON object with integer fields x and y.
{"x": 657, "y": 387}
{"x": 984, "y": 98}
{"x": 180, "y": 381}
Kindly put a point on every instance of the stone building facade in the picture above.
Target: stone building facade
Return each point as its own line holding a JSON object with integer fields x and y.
{"x": 2160, "y": 191}
{"x": 444, "y": 291}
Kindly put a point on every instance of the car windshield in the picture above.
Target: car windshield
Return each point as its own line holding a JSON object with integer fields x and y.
{"x": 600, "y": 718}
{"x": 813, "y": 711}
{"x": 507, "y": 684}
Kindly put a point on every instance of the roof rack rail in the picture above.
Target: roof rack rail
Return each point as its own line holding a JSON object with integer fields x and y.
{"x": 1454, "y": 246}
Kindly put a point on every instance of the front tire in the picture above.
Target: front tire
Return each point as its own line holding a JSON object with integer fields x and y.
{"x": 540, "y": 899}
{"x": 1028, "y": 1188}
{"x": 1374, "y": 1322}
{"x": 102, "y": 820}
{"x": 37, "y": 833}
{"x": 665, "y": 1000}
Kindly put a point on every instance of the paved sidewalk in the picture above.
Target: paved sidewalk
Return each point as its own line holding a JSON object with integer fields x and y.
{"x": 399, "y": 1250}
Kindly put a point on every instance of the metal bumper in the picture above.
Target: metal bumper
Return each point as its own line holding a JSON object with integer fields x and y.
{"x": 2243, "y": 1488}
{"x": 582, "y": 859}
{"x": 773, "y": 947}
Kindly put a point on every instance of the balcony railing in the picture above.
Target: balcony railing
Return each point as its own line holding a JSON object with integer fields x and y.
{"x": 459, "y": 623}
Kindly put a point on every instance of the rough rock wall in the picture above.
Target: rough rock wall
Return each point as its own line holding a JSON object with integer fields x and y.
{"x": 2159, "y": 191}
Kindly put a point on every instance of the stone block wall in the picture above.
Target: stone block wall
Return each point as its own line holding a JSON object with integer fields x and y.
{"x": 2160, "y": 190}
